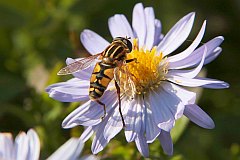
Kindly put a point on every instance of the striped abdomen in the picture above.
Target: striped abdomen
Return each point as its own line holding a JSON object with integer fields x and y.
{"x": 101, "y": 77}
{"x": 103, "y": 72}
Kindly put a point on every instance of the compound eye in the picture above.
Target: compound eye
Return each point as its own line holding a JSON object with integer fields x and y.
{"x": 129, "y": 44}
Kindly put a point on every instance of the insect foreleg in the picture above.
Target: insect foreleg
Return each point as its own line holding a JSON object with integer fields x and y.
{"x": 130, "y": 60}
{"x": 104, "y": 107}
{"x": 119, "y": 102}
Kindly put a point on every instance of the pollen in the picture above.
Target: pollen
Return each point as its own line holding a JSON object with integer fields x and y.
{"x": 148, "y": 69}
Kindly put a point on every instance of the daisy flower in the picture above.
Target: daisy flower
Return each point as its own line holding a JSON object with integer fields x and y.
{"x": 27, "y": 147}
{"x": 159, "y": 98}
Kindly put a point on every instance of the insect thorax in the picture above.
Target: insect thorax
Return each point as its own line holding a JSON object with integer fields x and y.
{"x": 116, "y": 51}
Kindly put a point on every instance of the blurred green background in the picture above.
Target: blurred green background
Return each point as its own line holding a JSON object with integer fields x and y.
{"x": 36, "y": 36}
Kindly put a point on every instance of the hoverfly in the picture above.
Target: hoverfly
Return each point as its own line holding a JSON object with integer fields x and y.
{"x": 107, "y": 68}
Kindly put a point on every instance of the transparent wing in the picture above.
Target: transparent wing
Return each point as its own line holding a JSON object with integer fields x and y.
{"x": 125, "y": 80}
{"x": 78, "y": 65}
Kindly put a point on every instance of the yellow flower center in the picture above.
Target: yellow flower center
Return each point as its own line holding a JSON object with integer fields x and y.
{"x": 146, "y": 72}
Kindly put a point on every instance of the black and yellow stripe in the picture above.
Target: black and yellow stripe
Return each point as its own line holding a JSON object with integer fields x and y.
{"x": 116, "y": 51}
{"x": 101, "y": 77}
{"x": 103, "y": 72}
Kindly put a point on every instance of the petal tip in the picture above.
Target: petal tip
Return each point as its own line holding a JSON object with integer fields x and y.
{"x": 192, "y": 14}
{"x": 221, "y": 37}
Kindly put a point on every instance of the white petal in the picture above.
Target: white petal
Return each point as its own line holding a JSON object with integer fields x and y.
{"x": 139, "y": 24}
{"x": 89, "y": 157}
{"x": 198, "y": 116}
{"x": 114, "y": 122}
{"x": 119, "y": 26}
{"x": 177, "y": 35}
{"x": 142, "y": 145}
{"x": 6, "y": 146}
{"x": 166, "y": 142}
{"x": 88, "y": 132}
{"x": 150, "y": 22}
{"x": 72, "y": 119}
{"x": 73, "y": 90}
{"x": 192, "y": 72}
{"x": 21, "y": 146}
{"x": 69, "y": 150}
{"x": 213, "y": 55}
{"x": 91, "y": 112}
{"x": 162, "y": 115}
{"x": 190, "y": 49}
{"x": 133, "y": 118}
{"x": 158, "y": 30}
{"x": 187, "y": 97}
{"x": 198, "y": 82}
{"x": 34, "y": 145}
{"x": 93, "y": 42}
{"x": 165, "y": 108}
{"x": 99, "y": 142}
{"x": 152, "y": 130}
{"x": 194, "y": 58}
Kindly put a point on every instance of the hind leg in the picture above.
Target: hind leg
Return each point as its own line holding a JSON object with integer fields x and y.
{"x": 119, "y": 102}
{"x": 104, "y": 107}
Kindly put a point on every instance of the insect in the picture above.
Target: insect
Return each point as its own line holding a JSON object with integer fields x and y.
{"x": 108, "y": 68}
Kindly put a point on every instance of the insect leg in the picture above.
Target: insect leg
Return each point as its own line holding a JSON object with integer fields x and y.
{"x": 130, "y": 60}
{"x": 119, "y": 102}
{"x": 104, "y": 107}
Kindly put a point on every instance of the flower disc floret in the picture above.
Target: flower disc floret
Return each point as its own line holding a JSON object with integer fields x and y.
{"x": 148, "y": 70}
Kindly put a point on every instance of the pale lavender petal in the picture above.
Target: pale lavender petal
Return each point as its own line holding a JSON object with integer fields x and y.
{"x": 114, "y": 123}
{"x": 162, "y": 115}
{"x": 194, "y": 58}
{"x": 69, "y": 150}
{"x": 198, "y": 82}
{"x": 73, "y": 90}
{"x": 89, "y": 157}
{"x": 214, "y": 85}
{"x": 84, "y": 74}
{"x": 213, "y": 55}
{"x": 198, "y": 116}
{"x": 190, "y": 49}
{"x": 88, "y": 132}
{"x": 107, "y": 129}
{"x": 187, "y": 97}
{"x": 142, "y": 145}
{"x": 6, "y": 146}
{"x": 93, "y": 42}
{"x": 165, "y": 107}
{"x": 119, "y": 26}
{"x": 177, "y": 35}
{"x": 158, "y": 30}
{"x": 166, "y": 142}
{"x": 90, "y": 113}
{"x": 150, "y": 22}
{"x": 21, "y": 146}
{"x": 72, "y": 119}
{"x": 99, "y": 141}
{"x": 140, "y": 139}
{"x": 34, "y": 145}
{"x": 133, "y": 118}
{"x": 152, "y": 130}
{"x": 192, "y": 72}
{"x": 139, "y": 23}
